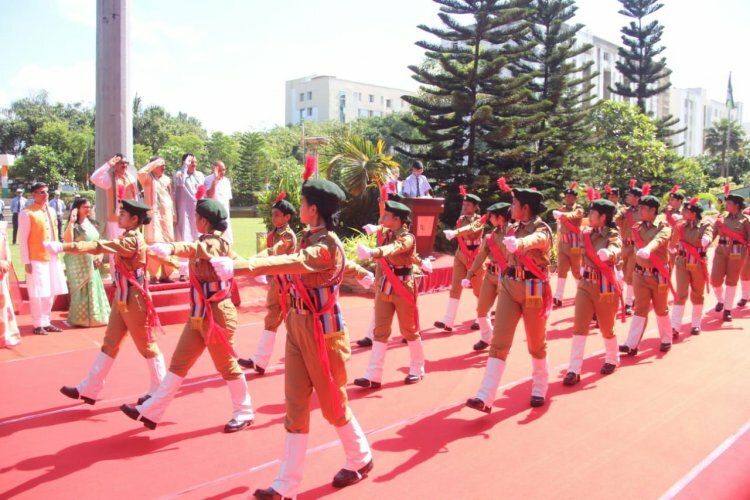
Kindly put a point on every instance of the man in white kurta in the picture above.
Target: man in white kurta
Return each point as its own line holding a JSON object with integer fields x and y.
{"x": 186, "y": 184}
{"x": 9, "y": 334}
{"x": 219, "y": 188}
{"x": 157, "y": 193}
{"x": 115, "y": 180}
{"x": 37, "y": 223}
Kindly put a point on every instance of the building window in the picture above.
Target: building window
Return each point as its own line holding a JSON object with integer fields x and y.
{"x": 606, "y": 82}
{"x": 342, "y": 106}
{"x": 301, "y": 96}
{"x": 309, "y": 111}
{"x": 301, "y": 115}
{"x": 387, "y": 103}
{"x": 606, "y": 56}
{"x": 372, "y": 98}
{"x": 369, "y": 113}
{"x": 309, "y": 96}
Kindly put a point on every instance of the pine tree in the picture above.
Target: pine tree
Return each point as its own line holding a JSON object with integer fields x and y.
{"x": 471, "y": 111}
{"x": 561, "y": 86}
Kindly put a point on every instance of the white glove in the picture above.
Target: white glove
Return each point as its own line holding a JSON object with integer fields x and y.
{"x": 370, "y": 228}
{"x": 511, "y": 243}
{"x": 364, "y": 252}
{"x": 643, "y": 253}
{"x": 449, "y": 234}
{"x": 466, "y": 283}
{"x": 426, "y": 266}
{"x": 603, "y": 254}
{"x": 53, "y": 247}
{"x": 556, "y": 214}
{"x": 223, "y": 267}
{"x": 160, "y": 249}
{"x": 263, "y": 280}
{"x": 705, "y": 240}
{"x": 676, "y": 217}
{"x": 620, "y": 275}
{"x": 367, "y": 280}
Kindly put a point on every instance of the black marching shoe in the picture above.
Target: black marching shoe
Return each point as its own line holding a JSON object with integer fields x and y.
{"x": 571, "y": 378}
{"x": 412, "y": 379}
{"x": 665, "y": 347}
{"x": 478, "y": 404}
{"x": 475, "y": 326}
{"x": 72, "y": 393}
{"x": 556, "y": 302}
{"x": 481, "y": 345}
{"x": 143, "y": 399}
{"x": 51, "y": 328}
{"x": 440, "y": 324}
{"x": 727, "y": 315}
{"x": 365, "y": 342}
{"x": 627, "y": 350}
{"x": 345, "y": 477}
{"x": 675, "y": 334}
{"x": 40, "y": 331}
{"x": 246, "y": 363}
{"x": 366, "y": 383}
{"x": 742, "y": 303}
{"x": 268, "y": 494}
{"x": 695, "y": 331}
{"x": 536, "y": 401}
{"x": 628, "y": 310}
{"x": 131, "y": 412}
{"x": 235, "y": 425}
{"x": 719, "y": 307}
{"x": 608, "y": 369}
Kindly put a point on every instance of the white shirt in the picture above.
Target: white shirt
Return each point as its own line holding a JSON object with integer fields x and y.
{"x": 416, "y": 186}
{"x": 223, "y": 192}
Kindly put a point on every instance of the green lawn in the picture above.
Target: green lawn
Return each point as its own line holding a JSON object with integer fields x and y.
{"x": 244, "y": 231}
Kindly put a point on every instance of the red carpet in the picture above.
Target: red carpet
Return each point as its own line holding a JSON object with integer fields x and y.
{"x": 650, "y": 429}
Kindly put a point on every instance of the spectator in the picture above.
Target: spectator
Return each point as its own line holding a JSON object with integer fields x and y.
{"x": 219, "y": 188}
{"x": 118, "y": 184}
{"x": 416, "y": 185}
{"x": 59, "y": 207}
{"x": 186, "y": 194}
{"x": 157, "y": 191}
{"x": 16, "y": 205}
{"x": 9, "y": 334}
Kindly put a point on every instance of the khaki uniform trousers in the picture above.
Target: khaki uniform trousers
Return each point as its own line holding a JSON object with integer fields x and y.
{"x": 133, "y": 321}
{"x": 628, "y": 263}
{"x": 568, "y": 259}
{"x": 726, "y": 266}
{"x": 745, "y": 272}
{"x": 589, "y": 301}
{"x": 511, "y": 307}
{"x": 460, "y": 269}
{"x": 648, "y": 291}
{"x": 167, "y": 266}
{"x": 688, "y": 280}
{"x": 385, "y": 307}
{"x": 192, "y": 343}
{"x": 303, "y": 372}
{"x": 487, "y": 294}
{"x": 273, "y": 303}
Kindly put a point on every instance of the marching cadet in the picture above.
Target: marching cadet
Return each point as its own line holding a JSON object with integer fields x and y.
{"x": 317, "y": 342}
{"x": 524, "y": 293}
{"x": 281, "y": 240}
{"x": 599, "y": 292}
{"x": 613, "y": 194}
{"x": 569, "y": 217}
{"x": 733, "y": 230}
{"x": 625, "y": 219}
{"x": 132, "y": 311}
{"x": 651, "y": 280}
{"x": 396, "y": 294}
{"x": 673, "y": 214}
{"x": 493, "y": 248}
{"x": 469, "y": 230}
{"x": 212, "y": 323}
{"x": 690, "y": 236}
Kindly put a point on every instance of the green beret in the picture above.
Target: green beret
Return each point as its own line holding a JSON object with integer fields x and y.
{"x": 696, "y": 207}
{"x": 636, "y": 191}
{"x": 135, "y": 207}
{"x": 395, "y": 197}
{"x": 473, "y": 198}
{"x": 529, "y": 197}
{"x": 211, "y": 210}
{"x": 678, "y": 195}
{"x": 649, "y": 201}
{"x": 500, "y": 208}
{"x": 285, "y": 207}
{"x": 737, "y": 199}
{"x": 397, "y": 208}
{"x": 323, "y": 193}
{"x": 604, "y": 207}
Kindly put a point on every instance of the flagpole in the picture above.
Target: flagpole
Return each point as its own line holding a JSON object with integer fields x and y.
{"x": 730, "y": 105}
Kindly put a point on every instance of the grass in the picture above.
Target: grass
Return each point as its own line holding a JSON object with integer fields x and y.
{"x": 244, "y": 231}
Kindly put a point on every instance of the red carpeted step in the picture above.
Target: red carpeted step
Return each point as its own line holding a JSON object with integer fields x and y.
{"x": 173, "y": 314}
{"x": 170, "y": 297}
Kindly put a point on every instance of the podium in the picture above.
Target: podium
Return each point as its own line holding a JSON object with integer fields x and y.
{"x": 424, "y": 216}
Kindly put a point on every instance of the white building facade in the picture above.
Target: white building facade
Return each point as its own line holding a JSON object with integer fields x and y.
{"x": 325, "y": 98}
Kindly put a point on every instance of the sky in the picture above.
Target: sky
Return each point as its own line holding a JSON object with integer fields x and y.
{"x": 225, "y": 61}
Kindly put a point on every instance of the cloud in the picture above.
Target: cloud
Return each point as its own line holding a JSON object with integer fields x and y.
{"x": 74, "y": 83}
{"x": 78, "y": 11}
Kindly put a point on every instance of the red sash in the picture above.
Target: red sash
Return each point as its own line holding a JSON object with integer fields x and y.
{"x": 214, "y": 330}
{"x": 655, "y": 261}
{"x": 470, "y": 254}
{"x": 152, "y": 319}
{"x": 728, "y": 232}
{"x": 397, "y": 284}
{"x": 606, "y": 270}
{"x": 569, "y": 225}
{"x": 695, "y": 254}
{"x": 670, "y": 219}
{"x": 496, "y": 253}
{"x": 320, "y": 340}
{"x": 537, "y": 271}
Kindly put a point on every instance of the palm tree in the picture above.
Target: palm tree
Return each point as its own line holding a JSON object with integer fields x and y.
{"x": 359, "y": 162}
{"x": 724, "y": 137}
